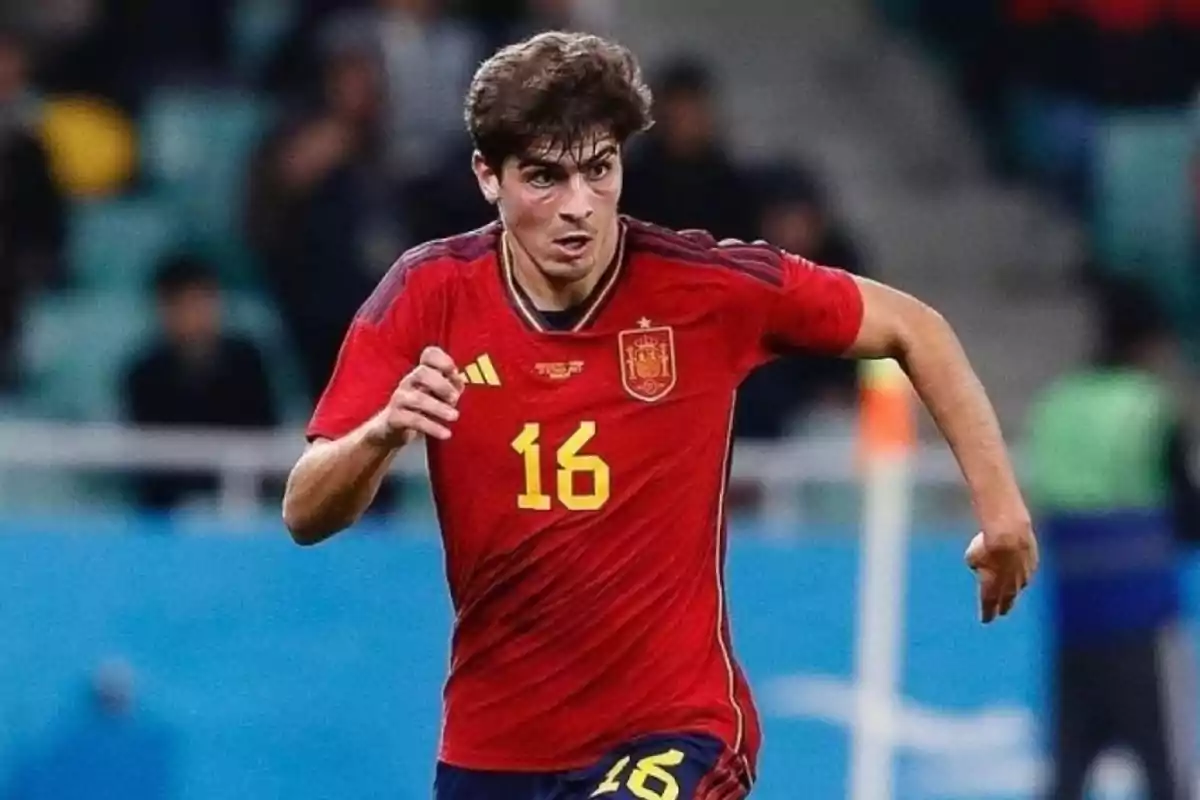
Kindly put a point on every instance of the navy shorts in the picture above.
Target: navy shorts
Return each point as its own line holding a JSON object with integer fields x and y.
{"x": 686, "y": 767}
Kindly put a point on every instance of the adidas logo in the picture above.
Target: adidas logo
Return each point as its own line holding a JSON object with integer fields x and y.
{"x": 480, "y": 372}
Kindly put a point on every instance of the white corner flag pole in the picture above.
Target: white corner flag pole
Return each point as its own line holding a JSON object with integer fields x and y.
{"x": 887, "y": 439}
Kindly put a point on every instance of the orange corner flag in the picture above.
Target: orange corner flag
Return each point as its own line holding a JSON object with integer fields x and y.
{"x": 887, "y": 418}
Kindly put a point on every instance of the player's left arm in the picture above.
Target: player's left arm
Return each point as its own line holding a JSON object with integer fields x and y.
{"x": 814, "y": 308}
{"x": 897, "y": 325}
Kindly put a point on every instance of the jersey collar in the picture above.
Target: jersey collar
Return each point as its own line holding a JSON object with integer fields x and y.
{"x": 589, "y": 308}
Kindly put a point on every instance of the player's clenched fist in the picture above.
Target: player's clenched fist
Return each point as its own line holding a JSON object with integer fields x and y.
{"x": 1003, "y": 562}
{"x": 424, "y": 402}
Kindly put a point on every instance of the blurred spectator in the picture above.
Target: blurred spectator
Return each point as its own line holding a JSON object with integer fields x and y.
{"x": 298, "y": 61}
{"x": 32, "y": 213}
{"x": 428, "y": 59}
{"x": 1115, "y": 497}
{"x": 194, "y": 375}
{"x": 972, "y": 36}
{"x": 111, "y": 750}
{"x": 324, "y": 215}
{"x": 446, "y": 200}
{"x": 681, "y": 175}
{"x": 796, "y": 217}
{"x": 133, "y": 47}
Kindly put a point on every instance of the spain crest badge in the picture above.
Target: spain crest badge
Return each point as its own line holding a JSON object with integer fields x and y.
{"x": 648, "y": 361}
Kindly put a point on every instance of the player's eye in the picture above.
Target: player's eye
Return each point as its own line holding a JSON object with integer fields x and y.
{"x": 541, "y": 179}
{"x": 598, "y": 170}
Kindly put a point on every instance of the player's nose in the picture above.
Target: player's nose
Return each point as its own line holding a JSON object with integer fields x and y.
{"x": 577, "y": 205}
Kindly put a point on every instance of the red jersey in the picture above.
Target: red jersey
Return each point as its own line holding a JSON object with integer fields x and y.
{"x": 581, "y": 496}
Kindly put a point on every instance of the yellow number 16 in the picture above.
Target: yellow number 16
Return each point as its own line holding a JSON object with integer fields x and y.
{"x": 570, "y": 464}
{"x": 649, "y": 767}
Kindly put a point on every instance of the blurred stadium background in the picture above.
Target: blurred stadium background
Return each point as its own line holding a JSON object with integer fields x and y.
{"x": 196, "y": 194}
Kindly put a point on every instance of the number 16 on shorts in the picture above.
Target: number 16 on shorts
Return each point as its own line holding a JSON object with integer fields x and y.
{"x": 649, "y": 779}
{"x": 670, "y": 767}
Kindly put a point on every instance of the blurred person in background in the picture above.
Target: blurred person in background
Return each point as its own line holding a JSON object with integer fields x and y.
{"x": 781, "y": 397}
{"x": 32, "y": 208}
{"x": 323, "y": 207}
{"x": 110, "y": 750}
{"x": 428, "y": 58}
{"x": 129, "y": 48}
{"x": 682, "y": 175}
{"x": 193, "y": 375}
{"x": 297, "y": 60}
{"x": 1115, "y": 496}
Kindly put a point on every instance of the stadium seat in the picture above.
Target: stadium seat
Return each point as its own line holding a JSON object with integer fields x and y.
{"x": 1144, "y": 218}
{"x": 74, "y": 348}
{"x": 196, "y": 148}
{"x": 115, "y": 245}
{"x": 251, "y": 314}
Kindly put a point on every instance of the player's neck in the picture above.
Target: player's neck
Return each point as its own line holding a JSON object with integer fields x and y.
{"x": 547, "y": 294}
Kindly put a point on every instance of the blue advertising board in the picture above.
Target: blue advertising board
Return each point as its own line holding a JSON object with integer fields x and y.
{"x": 274, "y": 671}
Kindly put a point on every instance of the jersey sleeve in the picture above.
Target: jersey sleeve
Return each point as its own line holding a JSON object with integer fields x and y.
{"x": 383, "y": 343}
{"x": 787, "y": 304}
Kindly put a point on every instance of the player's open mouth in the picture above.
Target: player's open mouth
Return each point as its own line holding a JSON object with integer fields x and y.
{"x": 574, "y": 244}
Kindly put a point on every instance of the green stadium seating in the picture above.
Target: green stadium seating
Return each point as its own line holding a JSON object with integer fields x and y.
{"x": 74, "y": 347}
{"x": 1144, "y": 217}
{"x": 196, "y": 149}
{"x": 116, "y": 244}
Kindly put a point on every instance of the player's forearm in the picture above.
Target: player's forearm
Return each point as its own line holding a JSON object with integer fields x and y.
{"x": 938, "y": 367}
{"x": 333, "y": 484}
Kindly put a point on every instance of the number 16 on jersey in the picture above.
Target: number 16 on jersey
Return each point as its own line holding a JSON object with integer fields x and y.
{"x": 571, "y": 463}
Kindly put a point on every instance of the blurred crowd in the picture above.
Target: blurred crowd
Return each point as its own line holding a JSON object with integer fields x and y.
{"x": 1066, "y": 64}
{"x": 198, "y": 194}
{"x": 1094, "y": 102}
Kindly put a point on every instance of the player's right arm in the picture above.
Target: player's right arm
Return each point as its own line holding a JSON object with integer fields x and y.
{"x": 389, "y": 385}
{"x": 335, "y": 480}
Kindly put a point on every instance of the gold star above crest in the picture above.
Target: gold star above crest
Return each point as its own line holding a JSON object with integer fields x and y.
{"x": 643, "y": 323}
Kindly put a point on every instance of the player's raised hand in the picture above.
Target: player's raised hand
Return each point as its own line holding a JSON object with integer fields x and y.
{"x": 1004, "y": 562}
{"x": 424, "y": 402}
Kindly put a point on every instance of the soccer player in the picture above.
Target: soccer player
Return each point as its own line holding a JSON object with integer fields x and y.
{"x": 573, "y": 373}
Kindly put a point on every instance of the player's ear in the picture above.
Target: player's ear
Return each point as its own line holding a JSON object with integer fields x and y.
{"x": 489, "y": 181}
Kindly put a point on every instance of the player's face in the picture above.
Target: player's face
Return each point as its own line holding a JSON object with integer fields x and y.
{"x": 559, "y": 206}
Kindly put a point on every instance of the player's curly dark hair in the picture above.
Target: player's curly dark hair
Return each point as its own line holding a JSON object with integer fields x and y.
{"x": 554, "y": 90}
